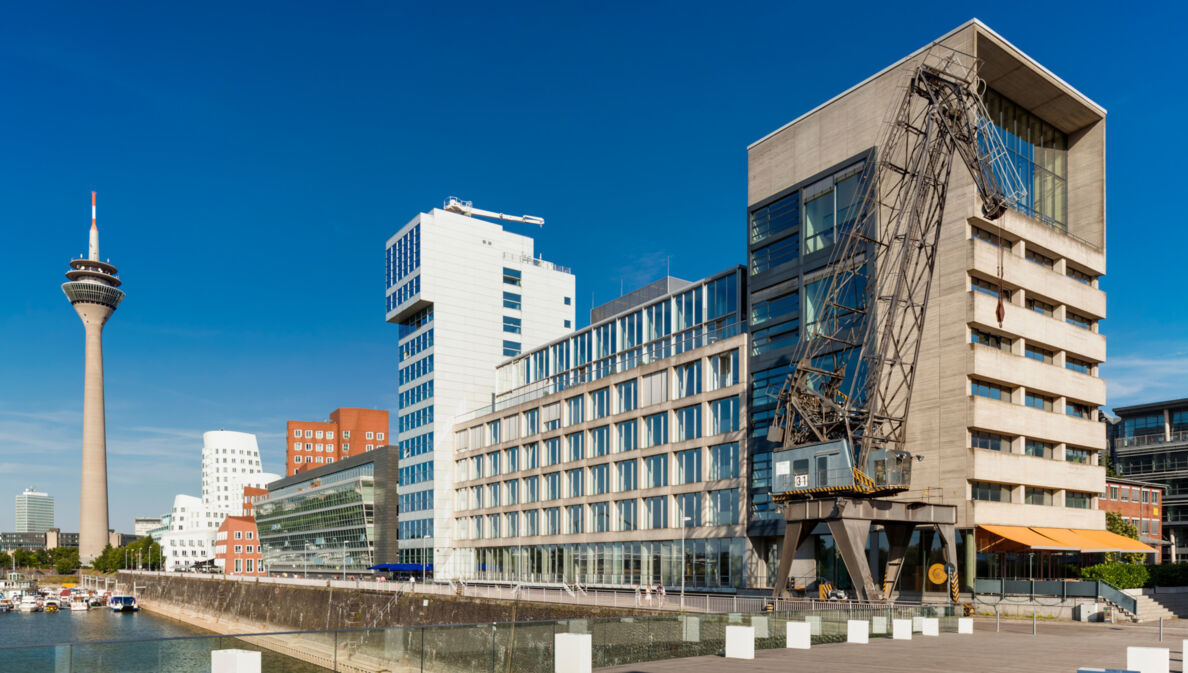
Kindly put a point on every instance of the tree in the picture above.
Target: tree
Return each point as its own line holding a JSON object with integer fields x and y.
{"x": 5, "y": 561}
{"x": 66, "y": 565}
{"x": 1116, "y": 524}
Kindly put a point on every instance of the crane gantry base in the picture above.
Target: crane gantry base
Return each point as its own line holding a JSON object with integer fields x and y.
{"x": 850, "y": 521}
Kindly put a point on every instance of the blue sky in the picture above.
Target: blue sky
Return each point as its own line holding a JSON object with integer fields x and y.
{"x": 252, "y": 158}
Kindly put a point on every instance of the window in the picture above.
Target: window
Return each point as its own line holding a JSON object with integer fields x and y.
{"x": 511, "y": 325}
{"x": 531, "y": 422}
{"x": 657, "y": 471}
{"x": 830, "y": 206}
{"x": 600, "y": 517}
{"x": 346, "y": 434}
{"x": 1079, "y": 276}
{"x": 1077, "y": 409}
{"x": 724, "y": 461}
{"x": 1034, "y": 447}
{"x": 531, "y": 489}
{"x": 512, "y": 300}
{"x": 1078, "y": 499}
{"x": 688, "y": 379}
{"x": 599, "y": 403}
{"x": 1043, "y": 260}
{"x": 723, "y": 415}
{"x": 511, "y": 276}
{"x": 1041, "y": 307}
{"x": 1078, "y": 320}
{"x": 511, "y": 491}
{"x": 573, "y": 515}
{"x": 990, "y": 390}
{"x": 532, "y": 522}
{"x": 1038, "y": 401}
{"x": 655, "y": 429}
{"x": 986, "y": 491}
{"x": 981, "y": 338}
{"x": 330, "y": 434}
{"x": 626, "y": 512}
{"x": 688, "y": 510}
{"x": 552, "y": 416}
{"x": 626, "y": 476}
{"x": 1125, "y": 494}
{"x": 723, "y": 370}
{"x": 993, "y": 239}
{"x": 575, "y": 410}
{"x": 987, "y": 287}
{"x": 628, "y": 435}
{"x": 296, "y": 433}
{"x": 599, "y": 479}
{"x": 552, "y": 521}
{"x": 688, "y": 423}
{"x": 654, "y": 389}
{"x": 238, "y": 535}
{"x": 552, "y": 451}
{"x": 656, "y": 512}
{"x": 575, "y": 482}
{"x": 988, "y": 440}
{"x": 626, "y": 394}
{"x": 1146, "y": 495}
{"x": 599, "y": 441}
{"x": 1040, "y": 354}
{"x": 688, "y": 466}
{"x": 723, "y": 506}
{"x": 771, "y": 256}
{"x": 309, "y": 434}
{"x": 1080, "y": 366}
{"x": 511, "y": 348}
{"x": 1113, "y": 493}
{"x": 1039, "y": 154}
{"x": 568, "y": 301}
{"x": 1038, "y": 496}
{"x": 531, "y": 456}
{"x": 552, "y": 486}
{"x": 776, "y": 218}
{"x": 1074, "y": 455}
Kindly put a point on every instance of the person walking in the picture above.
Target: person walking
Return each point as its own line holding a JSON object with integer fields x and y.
{"x": 637, "y": 592}
{"x": 660, "y": 590}
{"x": 649, "y": 595}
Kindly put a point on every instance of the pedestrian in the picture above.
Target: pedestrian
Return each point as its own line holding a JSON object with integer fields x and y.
{"x": 660, "y": 590}
{"x": 649, "y": 595}
{"x": 637, "y": 591}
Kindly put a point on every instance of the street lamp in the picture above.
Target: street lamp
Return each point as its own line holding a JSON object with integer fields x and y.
{"x": 684, "y": 522}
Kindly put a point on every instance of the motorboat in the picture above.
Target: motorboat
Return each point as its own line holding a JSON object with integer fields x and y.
{"x": 79, "y": 604}
{"x": 123, "y": 604}
{"x": 29, "y": 603}
{"x": 5, "y": 605}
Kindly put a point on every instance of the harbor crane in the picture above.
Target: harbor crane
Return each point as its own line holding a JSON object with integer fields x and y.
{"x": 457, "y": 205}
{"x": 841, "y": 416}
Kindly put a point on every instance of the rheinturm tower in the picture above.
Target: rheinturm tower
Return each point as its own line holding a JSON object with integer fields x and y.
{"x": 93, "y": 289}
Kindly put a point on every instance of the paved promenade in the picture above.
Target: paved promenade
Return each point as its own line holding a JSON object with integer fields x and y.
{"x": 1059, "y": 647}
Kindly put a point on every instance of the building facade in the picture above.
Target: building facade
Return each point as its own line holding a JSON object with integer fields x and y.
{"x": 334, "y": 519}
{"x": 142, "y": 526}
{"x": 34, "y": 511}
{"x": 1003, "y": 415}
{"x": 237, "y": 549}
{"x": 1150, "y": 442}
{"x": 348, "y": 432}
{"x": 465, "y": 295}
{"x": 614, "y": 455}
{"x": 1140, "y": 504}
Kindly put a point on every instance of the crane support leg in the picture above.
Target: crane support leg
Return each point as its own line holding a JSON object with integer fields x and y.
{"x": 898, "y": 537}
{"x": 794, "y": 534}
{"x": 850, "y": 536}
{"x": 948, "y": 535}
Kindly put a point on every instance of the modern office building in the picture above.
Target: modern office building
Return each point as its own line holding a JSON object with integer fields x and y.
{"x": 11, "y": 541}
{"x": 142, "y": 526}
{"x": 1004, "y": 415}
{"x": 230, "y": 462}
{"x": 1150, "y": 442}
{"x": 334, "y": 519}
{"x": 465, "y": 295}
{"x": 237, "y": 549}
{"x": 1139, "y": 503}
{"x": 347, "y": 433}
{"x": 34, "y": 511}
{"x": 614, "y": 454}
{"x": 55, "y": 538}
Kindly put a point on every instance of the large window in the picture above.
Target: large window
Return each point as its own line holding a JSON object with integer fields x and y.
{"x": 688, "y": 379}
{"x": 656, "y": 511}
{"x": 655, "y": 429}
{"x": 989, "y": 440}
{"x": 776, "y": 218}
{"x": 994, "y": 341}
{"x": 1038, "y": 496}
{"x": 657, "y": 470}
{"x": 1151, "y": 424}
{"x": 830, "y": 206}
{"x": 576, "y": 443}
{"x": 600, "y": 479}
{"x": 982, "y": 490}
{"x": 626, "y": 475}
{"x": 1034, "y": 447}
{"x": 723, "y": 461}
{"x": 627, "y": 513}
{"x": 599, "y": 441}
{"x": 688, "y": 423}
{"x": 986, "y": 389}
{"x": 627, "y": 435}
{"x": 1039, "y": 153}
{"x": 599, "y": 403}
{"x": 688, "y": 466}
{"x": 724, "y": 415}
{"x": 625, "y": 393}
{"x": 723, "y": 507}
{"x": 600, "y": 517}
{"x": 688, "y": 510}
{"x": 770, "y": 256}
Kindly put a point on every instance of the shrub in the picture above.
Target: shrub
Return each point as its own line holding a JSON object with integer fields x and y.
{"x": 1169, "y": 575}
{"x": 1121, "y": 575}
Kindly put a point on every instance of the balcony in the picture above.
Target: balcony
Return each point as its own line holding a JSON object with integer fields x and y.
{"x": 1055, "y": 286}
{"x": 1031, "y": 325}
{"x": 1048, "y": 378}
{"x": 1149, "y": 440}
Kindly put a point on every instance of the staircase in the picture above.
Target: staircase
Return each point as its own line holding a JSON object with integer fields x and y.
{"x": 1152, "y": 606}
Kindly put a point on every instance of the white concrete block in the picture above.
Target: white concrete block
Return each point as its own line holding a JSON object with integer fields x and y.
{"x": 901, "y": 629}
{"x": 857, "y": 631}
{"x": 799, "y": 635}
{"x": 234, "y": 661}
{"x": 917, "y": 624}
{"x": 691, "y": 629}
{"x": 930, "y": 626}
{"x": 761, "y": 627}
{"x": 1148, "y": 659}
{"x": 814, "y": 624}
{"x": 878, "y": 625}
{"x": 572, "y": 653}
{"x": 740, "y": 642}
{"x": 965, "y": 625}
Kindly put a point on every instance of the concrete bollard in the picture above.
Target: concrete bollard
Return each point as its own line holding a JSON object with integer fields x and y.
{"x": 572, "y": 653}
{"x": 799, "y": 635}
{"x": 235, "y": 661}
{"x": 1148, "y": 659}
{"x": 965, "y": 625}
{"x": 917, "y": 624}
{"x": 740, "y": 642}
{"x": 857, "y": 631}
{"x": 691, "y": 629}
{"x": 878, "y": 626}
{"x": 930, "y": 627}
{"x": 901, "y": 629}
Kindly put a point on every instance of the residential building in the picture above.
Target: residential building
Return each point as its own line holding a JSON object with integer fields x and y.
{"x": 230, "y": 462}
{"x": 1150, "y": 442}
{"x": 465, "y": 295}
{"x": 348, "y": 432}
{"x": 34, "y": 511}
{"x": 1003, "y": 415}
{"x": 251, "y": 496}
{"x": 142, "y": 526}
{"x": 1140, "y": 504}
{"x": 334, "y": 519}
{"x": 614, "y": 455}
{"x": 237, "y": 549}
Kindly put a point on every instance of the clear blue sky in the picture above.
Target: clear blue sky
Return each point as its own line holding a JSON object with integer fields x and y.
{"x": 251, "y": 160}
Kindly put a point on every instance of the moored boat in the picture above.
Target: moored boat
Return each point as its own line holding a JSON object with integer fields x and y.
{"x": 123, "y": 604}
{"x": 29, "y": 603}
{"x": 79, "y": 604}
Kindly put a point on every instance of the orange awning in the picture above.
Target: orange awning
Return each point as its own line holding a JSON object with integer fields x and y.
{"x": 1116, "y": 542}
{"x": 1067, "y": 536}
{"x": 1028, "y": 538}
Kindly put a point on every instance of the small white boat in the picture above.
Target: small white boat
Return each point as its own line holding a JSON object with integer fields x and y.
{"x": 123, "y": 604}
{"x": 79, "y": 604}
{"x": 29, "y": 603}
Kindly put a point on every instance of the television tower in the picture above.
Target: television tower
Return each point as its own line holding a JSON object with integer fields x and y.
{"x": 92, "y": 288}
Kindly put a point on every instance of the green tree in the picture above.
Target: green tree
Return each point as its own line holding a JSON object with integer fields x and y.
{"x": 5, "y": 561}
{"x": 1116, "y": 524}
{"x": 65, "y": 565}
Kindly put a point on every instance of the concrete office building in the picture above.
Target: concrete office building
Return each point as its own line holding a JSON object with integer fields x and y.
{"x": 1150, "y": 442}
{"x": 142, "y": 526}
{"x": 1005, "y": 417}
{"x": 465, "y": 295}
{"x": 334, "y": 519}
{"x": 609, "y": 450}
{"x": 348, "y": 432}
{"x": 93, "y": 289}
{"x": 34, "y": 511}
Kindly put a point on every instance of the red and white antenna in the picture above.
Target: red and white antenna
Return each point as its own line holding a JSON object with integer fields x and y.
{"x": 93, "y": 248}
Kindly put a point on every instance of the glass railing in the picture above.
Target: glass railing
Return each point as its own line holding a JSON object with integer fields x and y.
{"x": 524, "y": 647}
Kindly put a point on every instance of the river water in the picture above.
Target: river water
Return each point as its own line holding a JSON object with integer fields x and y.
{"x": 105, "y": 642}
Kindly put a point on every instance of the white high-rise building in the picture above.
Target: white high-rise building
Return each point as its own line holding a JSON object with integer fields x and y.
{"x": 34, "y": 511}
{"x": 230, "y": 461}
{"x": 466, "y": 295}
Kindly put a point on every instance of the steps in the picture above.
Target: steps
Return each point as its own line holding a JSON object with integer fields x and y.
{"x": 1166, "y": 605}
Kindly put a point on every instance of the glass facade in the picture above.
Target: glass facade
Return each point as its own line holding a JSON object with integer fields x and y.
{"x": 1039, "y": 153}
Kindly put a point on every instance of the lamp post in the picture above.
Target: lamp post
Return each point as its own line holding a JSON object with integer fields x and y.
{"x": 684, "y": 522}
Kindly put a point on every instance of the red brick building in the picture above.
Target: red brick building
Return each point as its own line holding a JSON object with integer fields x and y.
{"x": 349, "y": 432}
{"x": 251, "y": 496}
{"x": 237, "y": 547}
{"x": 1140, "y": 503}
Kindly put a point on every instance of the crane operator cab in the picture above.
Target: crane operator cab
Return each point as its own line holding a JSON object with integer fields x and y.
{"x": 827, "y": 468}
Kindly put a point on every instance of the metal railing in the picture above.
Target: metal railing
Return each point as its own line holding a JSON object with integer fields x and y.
{"x": 524, "y": 647}
{"x": 1063, "y": 589}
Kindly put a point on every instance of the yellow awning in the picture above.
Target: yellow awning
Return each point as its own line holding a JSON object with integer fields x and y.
{"x": 1116, "y": 542}
{"x": 1024, "y": 536}
{"x": 1067, "y": 536}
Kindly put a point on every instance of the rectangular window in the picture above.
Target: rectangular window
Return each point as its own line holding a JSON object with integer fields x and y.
{"x": 1078, "y": 320}
{"x": 688, "y": 423}
{"x": 1078, "y": 499}
{"x": 986, "y": 491}
{"x": 1038, "y": 496}
{"x": 575, "y": 410}
{"x": 771, "y": 256}
{"x": 1125, "y": 494}
{"x": 990, "y": 390}
{"x": 552, "y": 416}
{"x": 723, "y": 507}
{"x": 654, "y": 389}
{"x": 599, "y": 479}
{"x": 688, "y": 466}
{"x": 987, "y": 287}
{"x": 1079, "y": 276}
{"x": 512, "y": 300}
{"x": 599, "y": 441}
{"x": 723, "y": 370}
{"x": 1040, "y": 354}
{"x": 657, "y": 471}
{"x": 576, "y": 482}
{"x": 575, "y": 445}
{"x": 511, "y": 325}
{"x": 1034, "y": 447}
{"x": 626, "y": 394}
{"x": 1146, "y": 495}
{"x": 531, "y": 489}
{"x": 511, "y": 491}
{"x": 688, "y": 379}
{"x": 656, "y": 512}
{"x": 552, "y": 486}
{"x": 1077, "y": 409}
{"x": 993, "y": 239}
{"x": 723, "y": 415}
{"x": 1080, "y": 366}
{"x": 532, "y": 522}
{"x": 553, "y": 521}
{"x": 1041, "y": 307}
{"x": 989, "y": 440}
{"x": 511, "y": 276}
{"x": 599, "y": 403}
{"x": 1074, "y": 455}
{"x": 627, "y": 435}
{"x": 1038, "y": 401}
{"x": 626, "y": 476}
{"x": 989, "y": 340}
{"x": 1039, "y": 154}
{"x": 776, "y": 218}
{"x": 655, "y": 429}
{"x": 511, "y": 348}
{"x": 688, "y": 510}
{"x": 626, "y": 512}
{"x": 600, "y": 517}
{"x": 724, "y": 461}
{"x": 552, "y": 449}
{"x": 573, "y": 515}
{"x": 1041, "y": 259}
{"x": 531, "y": 456}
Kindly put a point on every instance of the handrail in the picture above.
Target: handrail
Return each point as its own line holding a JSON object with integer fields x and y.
{"x": 1032, "y": 587}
